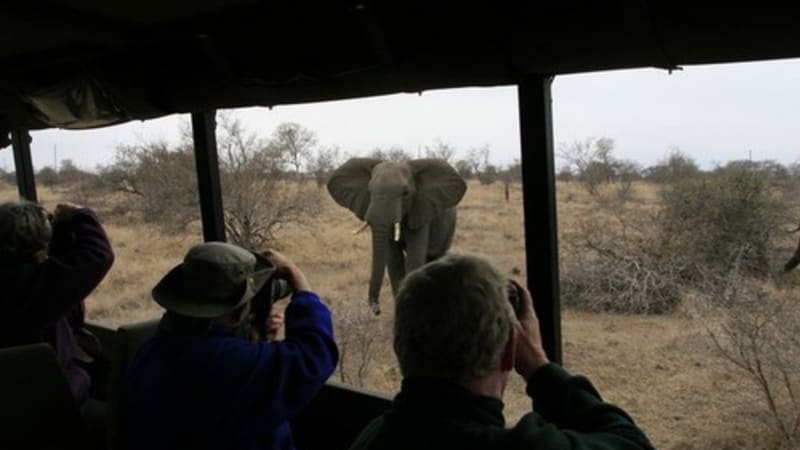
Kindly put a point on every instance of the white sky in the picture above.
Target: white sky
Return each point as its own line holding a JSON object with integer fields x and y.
{"x": 713, "y": 113}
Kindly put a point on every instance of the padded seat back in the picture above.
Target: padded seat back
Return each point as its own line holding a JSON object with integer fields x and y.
{"x": 336, "y": 416}
{"x": 127, "y": 341}
{"x": 37, "y": 409}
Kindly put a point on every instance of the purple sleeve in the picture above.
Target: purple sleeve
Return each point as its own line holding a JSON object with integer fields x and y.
{"x": 80, "y": 256}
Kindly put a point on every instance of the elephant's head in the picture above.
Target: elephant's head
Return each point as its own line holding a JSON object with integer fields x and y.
{"x": 382, "y": 193}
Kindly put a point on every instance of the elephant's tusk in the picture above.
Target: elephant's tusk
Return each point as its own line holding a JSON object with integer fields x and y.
{"x": 360, "y": 229}
{"x": 396, "y": 231}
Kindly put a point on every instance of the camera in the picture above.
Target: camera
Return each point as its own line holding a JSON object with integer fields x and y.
{"x": 514, "y": 297}
{"x": 279, "y": 287}
{"x": 276, "y": 288}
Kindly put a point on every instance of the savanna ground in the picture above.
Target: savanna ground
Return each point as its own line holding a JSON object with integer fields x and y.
{"x": 662, "y": 369}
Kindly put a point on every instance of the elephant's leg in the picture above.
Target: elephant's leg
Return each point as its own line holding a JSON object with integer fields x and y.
{"x": 397, "y": 266}
{"x": 416, "y": 247}
{"x": 441, "y": 234}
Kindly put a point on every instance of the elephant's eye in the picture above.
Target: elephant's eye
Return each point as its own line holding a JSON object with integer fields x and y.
{"x": 405, "y": 193}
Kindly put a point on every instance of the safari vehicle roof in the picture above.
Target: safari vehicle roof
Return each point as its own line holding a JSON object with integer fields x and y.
{"x": 87, "y": 63}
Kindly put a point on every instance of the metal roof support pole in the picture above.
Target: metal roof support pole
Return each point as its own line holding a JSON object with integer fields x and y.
{"x": 539, "y": 203}
{"x": 204, "y": 131}
{"x": 23, "y": 164}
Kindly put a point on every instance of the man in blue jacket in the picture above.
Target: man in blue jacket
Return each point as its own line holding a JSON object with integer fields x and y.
{"x": 457, "y": 338}
{"x": 200, "y": 384}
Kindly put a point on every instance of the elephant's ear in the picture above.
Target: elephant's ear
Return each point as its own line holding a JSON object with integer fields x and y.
{"x": 349, "y": 184}
{"x": 438, "y": 187}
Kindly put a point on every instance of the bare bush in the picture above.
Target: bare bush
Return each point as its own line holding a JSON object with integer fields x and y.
{"x": 626, "y": 173}
{"x": 756, "y": 328}
{"x": 616, "y": 266}
{"x": 323, "y": 163}
{"x": 160, "y": 181}
{"x": 644, "y": 263}
{"x": 360, "y": 337}
{"x": 258, "y": 197}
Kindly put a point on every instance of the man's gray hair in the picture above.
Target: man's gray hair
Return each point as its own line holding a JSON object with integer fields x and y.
{"x": 452, "y": 319}
{"x": 24, "y": 230}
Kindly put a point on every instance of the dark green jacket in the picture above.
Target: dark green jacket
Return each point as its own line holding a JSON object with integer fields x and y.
{"x": 568, "y": 414}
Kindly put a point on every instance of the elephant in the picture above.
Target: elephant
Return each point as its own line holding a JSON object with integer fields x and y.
{"x": 795, "y": 259}
{"x": 410, "y": 208}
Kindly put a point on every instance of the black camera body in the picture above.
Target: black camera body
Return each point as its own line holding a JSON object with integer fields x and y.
{"x": 279, "y": 287}
{"x": 514, "y": 297}
{"x": 276, "y": 288}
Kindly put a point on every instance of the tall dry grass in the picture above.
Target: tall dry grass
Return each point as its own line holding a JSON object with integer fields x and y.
{"x": 661, "y": 369}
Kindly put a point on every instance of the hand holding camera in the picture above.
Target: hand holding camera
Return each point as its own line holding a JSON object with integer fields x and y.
{"x": 287, "y": 278}
{"x": 64, "y": 211}
{"x": 288, "y": 270}
{"x": 530, "y": 354}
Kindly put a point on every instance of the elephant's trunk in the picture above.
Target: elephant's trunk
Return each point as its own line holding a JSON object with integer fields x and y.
{"x": 380, "y": 242}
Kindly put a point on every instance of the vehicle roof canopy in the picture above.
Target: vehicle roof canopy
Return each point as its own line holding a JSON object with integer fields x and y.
{"x": 88, "y": 63}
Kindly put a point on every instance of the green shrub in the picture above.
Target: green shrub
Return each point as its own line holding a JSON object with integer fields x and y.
{"x": 721, "y": 220}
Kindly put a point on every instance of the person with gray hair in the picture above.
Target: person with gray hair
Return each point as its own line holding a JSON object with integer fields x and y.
{"x": 49, "y": 264}
{"x": 25, "y": 231}
{"x": 458, "y": 334}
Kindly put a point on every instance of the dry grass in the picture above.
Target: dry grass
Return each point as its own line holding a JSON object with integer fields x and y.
{"x": 663, "y": 370}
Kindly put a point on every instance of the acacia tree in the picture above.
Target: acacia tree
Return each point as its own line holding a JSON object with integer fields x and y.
{"x": 257, "y": 198}
{"x": 323, "y": 163}
{"x": 395, "y": 154}
{"x": 440, "y": 150}
{"x": 296, "y": 144}
{"x": 591, "y": 160}
{"x": 161, "y": 182}
{"x": 674, "y": 167}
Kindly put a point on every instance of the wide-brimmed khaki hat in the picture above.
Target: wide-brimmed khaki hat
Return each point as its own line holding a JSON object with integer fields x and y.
{"x": 214, "y": 278}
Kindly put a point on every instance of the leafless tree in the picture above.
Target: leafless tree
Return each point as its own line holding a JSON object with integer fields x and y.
{"x": 322, "y": 164}
{"x": 396, "y": 154}
{"x": 756, "y": 327}
{"x": 440, "y": 150}
{"x": 160, "y": 181}
{"x": 295, "y": 142}
{"x": 257, "y": 198}
{"x": 592, "y": 161}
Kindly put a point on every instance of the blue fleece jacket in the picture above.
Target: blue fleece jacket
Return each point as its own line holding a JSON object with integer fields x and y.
{"x": 219, "y": 391}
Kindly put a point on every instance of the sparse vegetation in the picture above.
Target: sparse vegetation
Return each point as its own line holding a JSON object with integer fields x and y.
{"x": 716, "y": 220}
{"x": 671, "y": 305}
{"x": 756, "y": 327}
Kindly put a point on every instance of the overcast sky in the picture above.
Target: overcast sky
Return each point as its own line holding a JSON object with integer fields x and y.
{"x": 713, "y": 113}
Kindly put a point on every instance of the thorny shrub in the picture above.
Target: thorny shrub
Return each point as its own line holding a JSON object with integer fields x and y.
{"x": 645, "y": 262}
{"x": 615, "y": 266}
{"x": 715, "y": 220}
{"x": 360, "y": 337}
{"x": 756, "y": 326}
